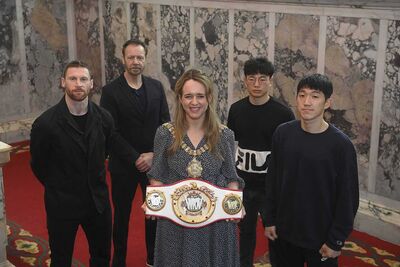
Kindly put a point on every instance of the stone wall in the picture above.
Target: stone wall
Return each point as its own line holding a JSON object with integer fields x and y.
{"x": 359, "y": 49}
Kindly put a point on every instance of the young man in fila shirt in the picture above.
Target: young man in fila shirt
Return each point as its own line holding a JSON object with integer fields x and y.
{"x": 254, "y": 120}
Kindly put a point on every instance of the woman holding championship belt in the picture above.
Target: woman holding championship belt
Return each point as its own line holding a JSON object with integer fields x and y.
{"x": 195, "y": 145}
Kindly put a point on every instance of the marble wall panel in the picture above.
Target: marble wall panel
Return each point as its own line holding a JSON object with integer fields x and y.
{"x": 45, "y": 33}
{"x": 87, "y": 26}
{"x": 115, "y": 35}
{"x": 134, "y": 20}
{"x": 388, "y": 171}
{"x": 250, "y": 40}
{"x": 144, "y": 26}
{"x": 211, "y": 53}
{"x": 12, "y": 131}
{"x": 11, "y": 89}
{"x": 296, "y": 52}
{"x": 175, "y": 40}
{"x": 350, "y": 61}
{"x": 143, "y": 23}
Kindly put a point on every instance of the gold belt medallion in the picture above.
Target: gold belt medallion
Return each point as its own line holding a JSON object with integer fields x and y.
{"x": 193, "y": 204}
{"x": 155, "y": 200}
{"x": 232, "y": 204}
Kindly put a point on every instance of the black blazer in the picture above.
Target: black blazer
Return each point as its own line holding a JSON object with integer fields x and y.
{"x": 135, "y": 127}
{"x": 69, "y": 162}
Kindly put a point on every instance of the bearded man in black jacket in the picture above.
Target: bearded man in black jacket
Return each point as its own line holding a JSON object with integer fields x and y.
{"x": 69, "y": 145}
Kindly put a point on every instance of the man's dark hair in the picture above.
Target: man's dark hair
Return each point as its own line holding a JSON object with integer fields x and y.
{"x": 76, "y": 64}
{"x": 318, "y": 82}
{"x": 134, "y": 42}
{"x": 259, "y": 65}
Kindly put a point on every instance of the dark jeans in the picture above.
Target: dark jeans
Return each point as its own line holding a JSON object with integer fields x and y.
{"x": 97, "y": 228}
{"x": 123, "y": 192}
{"x": 253, "y": 202}
{"x": 285, "y": 254}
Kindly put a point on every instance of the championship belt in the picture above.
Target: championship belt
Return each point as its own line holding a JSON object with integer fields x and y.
{"x": 193, "y": 203}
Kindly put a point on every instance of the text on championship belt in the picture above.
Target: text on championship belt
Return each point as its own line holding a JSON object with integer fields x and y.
{"x": 193, "y": 203}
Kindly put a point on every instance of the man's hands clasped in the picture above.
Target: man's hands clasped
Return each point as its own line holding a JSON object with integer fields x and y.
{"x": 144, "y": 162}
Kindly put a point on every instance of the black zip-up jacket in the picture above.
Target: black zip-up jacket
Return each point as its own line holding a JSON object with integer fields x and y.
{"x": 70, "y": 163}
{"x": 135, "y": 126}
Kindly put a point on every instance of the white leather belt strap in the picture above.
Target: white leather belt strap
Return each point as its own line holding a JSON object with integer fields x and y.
{"x": 193, "y": 203}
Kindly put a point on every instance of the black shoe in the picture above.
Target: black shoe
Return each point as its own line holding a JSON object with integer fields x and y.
{"x": 149, "y": 263}
{"x": 117, "y": 263}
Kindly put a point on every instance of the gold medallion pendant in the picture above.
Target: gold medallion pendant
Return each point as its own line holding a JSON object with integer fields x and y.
{"x": 194, "y": 168}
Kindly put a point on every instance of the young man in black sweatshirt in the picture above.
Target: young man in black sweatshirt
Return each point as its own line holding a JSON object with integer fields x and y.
{"x": 312, "y": 183}
{"x": 254, "y": 120}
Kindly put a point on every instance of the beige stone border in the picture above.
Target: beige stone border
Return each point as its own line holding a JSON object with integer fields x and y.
{"x": 380, "y": 212}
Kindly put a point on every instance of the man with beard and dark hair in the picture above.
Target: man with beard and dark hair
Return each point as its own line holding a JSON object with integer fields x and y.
{"x": 69, "y": 145}
{"x": 138, "y": 106}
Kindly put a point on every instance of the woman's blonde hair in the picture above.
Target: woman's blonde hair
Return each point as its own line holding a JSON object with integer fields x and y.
{"x": 211, "y": 122}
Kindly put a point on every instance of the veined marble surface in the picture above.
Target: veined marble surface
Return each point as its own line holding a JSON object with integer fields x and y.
{"x": 12, "y": 126}
{"x": 144, "y": 19}
{"x": 350, "y": 63}
{"x": 250, "y": 40}
{"x": 380, "y": 212}
{"x": 144, "y": 25}
{"x": 296, "y": 51}
{"x": 12, "y": 94}
{"x": 46, "y": 44}
{"x": 115, "y": 35}
{"x": 379, "y": 220}
{"x": 211, "y": 54}
{"x": 388, "y": 171}
{"x": 175, "y": 40}
{"x": 88, "y": 40}
{"x": 17, "y": 130}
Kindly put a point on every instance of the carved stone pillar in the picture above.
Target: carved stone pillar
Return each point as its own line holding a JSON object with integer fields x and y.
{"x": 4, "y": 158}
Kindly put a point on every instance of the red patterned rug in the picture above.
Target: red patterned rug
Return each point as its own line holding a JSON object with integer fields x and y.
{"x": 360, "y": 250}
{"x": 25, "y": 250}
{"x": 24, "y": 204}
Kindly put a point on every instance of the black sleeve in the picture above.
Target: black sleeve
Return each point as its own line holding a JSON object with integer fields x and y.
{"x": 127, "y": 153}
{"x": 115, "y": 143}
{"x": 291, "y": 116}
{"x": 270, "y": 184}
{"x": 230, "y": 123}
{"x": 347, "y": 199}
{"x": 40, "y": 150}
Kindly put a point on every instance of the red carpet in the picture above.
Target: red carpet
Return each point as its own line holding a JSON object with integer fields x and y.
{"x": 25, "y": 206}
{"x": 25, "y": 209}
